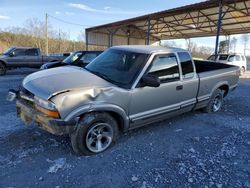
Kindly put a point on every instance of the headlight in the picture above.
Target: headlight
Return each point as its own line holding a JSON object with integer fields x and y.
{"x": 46, "y": 107}
{"x": 44, "y": 103}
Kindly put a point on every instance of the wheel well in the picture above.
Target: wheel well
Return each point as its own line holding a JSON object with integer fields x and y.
{"x": 3, "y": 63}
{"x": 115, "y": 115}
{"x": 225, "y": 88}
{"x": 118, "y": 119}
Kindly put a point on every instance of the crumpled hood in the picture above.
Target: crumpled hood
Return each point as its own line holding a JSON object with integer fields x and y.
{"x": 48, "y": 83}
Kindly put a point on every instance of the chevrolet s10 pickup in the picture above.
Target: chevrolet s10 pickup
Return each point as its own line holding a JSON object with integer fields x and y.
{"x": 123, "y": 88}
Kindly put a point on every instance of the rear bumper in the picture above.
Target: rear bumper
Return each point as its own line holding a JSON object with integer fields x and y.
{"x": 54, "y": 126}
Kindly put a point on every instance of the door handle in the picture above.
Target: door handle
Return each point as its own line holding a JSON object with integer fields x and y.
{"x": 180, "y": 87}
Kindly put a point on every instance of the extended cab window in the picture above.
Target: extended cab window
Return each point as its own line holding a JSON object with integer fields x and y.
{"x": 31, "y": 52}
{"x": 186, "y": 65}
{"x": 165, "y": 67}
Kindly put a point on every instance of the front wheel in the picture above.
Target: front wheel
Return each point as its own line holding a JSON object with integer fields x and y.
{"x": 215, "y": 102}
{"x": 2, "y": 69}
{"x": 95, "y": 133}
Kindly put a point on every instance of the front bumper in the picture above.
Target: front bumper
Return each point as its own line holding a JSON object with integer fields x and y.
{"x": 55, "y": 126}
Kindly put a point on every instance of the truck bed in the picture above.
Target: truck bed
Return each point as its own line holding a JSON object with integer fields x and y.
{"x": 211, "y": 76}
{"x": 204, "y": 66}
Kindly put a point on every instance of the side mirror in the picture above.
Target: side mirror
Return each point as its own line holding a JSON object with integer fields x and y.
{"x": 12, "y": 54}
{"x": 150, "y": 80}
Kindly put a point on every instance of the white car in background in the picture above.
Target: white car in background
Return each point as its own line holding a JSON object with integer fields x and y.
{"x": 231, "y": 59}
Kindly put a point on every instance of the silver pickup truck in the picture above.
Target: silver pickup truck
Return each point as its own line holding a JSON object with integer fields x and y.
{"x": 123, "y": 88}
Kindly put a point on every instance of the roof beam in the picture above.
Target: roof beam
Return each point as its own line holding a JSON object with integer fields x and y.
{"x": 169, "y": 26}
{"x": 139, "y": 29}
{"x": 214, "y": 22}
{"x": 239, "y": 10}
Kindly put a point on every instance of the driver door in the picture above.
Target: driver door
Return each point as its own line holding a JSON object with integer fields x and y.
{"x": 149, "y": 103}
{"x": 18, "y": 58}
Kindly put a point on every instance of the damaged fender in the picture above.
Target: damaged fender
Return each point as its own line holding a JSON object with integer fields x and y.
{"x": 81, "y": 101}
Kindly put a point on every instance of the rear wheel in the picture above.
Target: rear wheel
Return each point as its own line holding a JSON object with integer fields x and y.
{"x": 95, "y": 133}
{"x": 215, "y": 102}
{"x": 2, "y": 69}
{"x": 242, "y": 70}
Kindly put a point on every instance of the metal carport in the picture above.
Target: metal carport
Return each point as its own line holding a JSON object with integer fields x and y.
{"x": 208, "y": 18}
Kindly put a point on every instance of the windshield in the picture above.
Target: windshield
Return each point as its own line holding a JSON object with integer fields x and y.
{"x": 8, "y": 51}
{"x": 73, "y": 57}
{"x": 118, "y": 66}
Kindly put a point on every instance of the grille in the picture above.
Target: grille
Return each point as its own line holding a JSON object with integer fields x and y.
{"x": 26, "y": 95}
{"x": 26, "y": 92}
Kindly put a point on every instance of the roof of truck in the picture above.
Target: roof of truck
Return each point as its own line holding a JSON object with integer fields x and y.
{"x": 22, "y": 47}
{"x": 148, "y": 49}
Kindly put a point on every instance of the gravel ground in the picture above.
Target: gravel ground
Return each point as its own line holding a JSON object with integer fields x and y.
{"x": 191, "y": 150}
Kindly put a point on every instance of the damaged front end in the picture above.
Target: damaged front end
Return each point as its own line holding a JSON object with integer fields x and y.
{"x": 29, "y": 111}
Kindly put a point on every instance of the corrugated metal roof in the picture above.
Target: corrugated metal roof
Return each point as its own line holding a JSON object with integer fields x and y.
{"x": 195, "y": 20}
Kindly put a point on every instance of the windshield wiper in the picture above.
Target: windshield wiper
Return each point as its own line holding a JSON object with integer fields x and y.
{"x": 100, "y": 75}
{"x": 105, "y": 77}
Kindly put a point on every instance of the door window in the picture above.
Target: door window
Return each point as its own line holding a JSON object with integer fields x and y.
{"x": 19, "y": 52}
{"x": 231, "y": 58}
{"x": 186, "y": 65}
{"x": 237, "y": 57}
{"x": 87, "y": 58}
{"x": 165, "y": 67}
{"x": 234, "y": 58}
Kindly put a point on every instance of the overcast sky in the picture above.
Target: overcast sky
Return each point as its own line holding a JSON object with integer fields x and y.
{"x": 85, "y": 12}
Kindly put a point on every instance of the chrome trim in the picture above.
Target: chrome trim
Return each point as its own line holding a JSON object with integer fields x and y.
{"x": 161, "y": 110}
{"x": 188, "y": 102}
{"x": 154, "y": 112}
{"x": 203, "y": 98}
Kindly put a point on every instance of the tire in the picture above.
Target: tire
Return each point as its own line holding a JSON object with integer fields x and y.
{"x": 2, "y": 69}
{"x": 215, "y": 102}
{"x": 242, "y": 70}
{"x": 94, "y": 134}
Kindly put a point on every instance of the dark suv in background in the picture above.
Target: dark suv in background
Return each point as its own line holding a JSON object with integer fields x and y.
{"x": 77, "y": 58}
